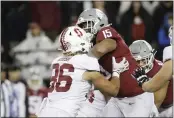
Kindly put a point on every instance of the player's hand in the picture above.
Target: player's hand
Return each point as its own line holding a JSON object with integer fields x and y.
{"x": 118, "y": 68}
{"x": 140, "y": 75}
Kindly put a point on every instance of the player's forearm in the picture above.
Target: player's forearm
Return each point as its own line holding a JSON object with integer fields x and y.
{"x": 103, "y": 47}
{"x": 160, "y": 95}
{"x": 153, "y": 85}
{"x": 159, "y": 79}
{"x": 101, "y": 83}
{"x": 116, "y": 82}
{"x": 150, "y": 86}
{"x": 105, "y": 87}
{"x": 165, "y": 73}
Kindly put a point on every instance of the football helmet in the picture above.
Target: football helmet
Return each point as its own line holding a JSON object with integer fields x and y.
{"x": 74, "y": 39}
{"x": 142, "y": 52}
{"x": 92, "y": 20}
{"x": 35, "y": 81}
{"x": 171, "y": 34}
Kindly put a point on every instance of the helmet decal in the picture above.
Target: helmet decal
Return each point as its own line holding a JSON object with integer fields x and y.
{"x": 79, "y": 33}
{"x": 74, "y": 39}
{"x": 62, "y": 39}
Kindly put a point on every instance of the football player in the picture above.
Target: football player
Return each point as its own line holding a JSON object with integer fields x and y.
{"x": 163, "y": 76}
{"x": 131, "y": 100}
{"x": 144, "y": 55}
{"x": 72, "y": 75}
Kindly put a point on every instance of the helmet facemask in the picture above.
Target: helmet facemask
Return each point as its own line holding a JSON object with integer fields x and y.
{"x": 146, "y": 62}
{"x": 89, "y": 27}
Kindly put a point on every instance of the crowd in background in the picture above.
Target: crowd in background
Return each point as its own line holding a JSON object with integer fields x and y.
{"x": 30, "y": 30}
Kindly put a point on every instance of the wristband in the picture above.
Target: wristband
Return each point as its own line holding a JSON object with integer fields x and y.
{"x": 116, "y": 74}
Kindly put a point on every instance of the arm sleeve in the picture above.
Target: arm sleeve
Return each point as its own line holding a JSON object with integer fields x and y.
{"x": 86, "y": 63}
{"x": 167, "y": 53}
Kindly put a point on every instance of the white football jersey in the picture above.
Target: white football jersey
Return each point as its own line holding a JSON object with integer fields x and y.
{"x": 167, "y": 53}
{"x": 70, "y": 88}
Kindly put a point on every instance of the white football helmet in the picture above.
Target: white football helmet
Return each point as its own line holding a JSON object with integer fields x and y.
{"x": 92, "y": 20}
{"x": 142, "y": 51}
{"x": 74, "y": 39}
{"x": 35, "y": 82}
{"x": 171, "y": 34}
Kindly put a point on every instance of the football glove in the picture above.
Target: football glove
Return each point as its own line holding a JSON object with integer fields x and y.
{"x": 140, "y": 75}
{"x": 118, "y": 68}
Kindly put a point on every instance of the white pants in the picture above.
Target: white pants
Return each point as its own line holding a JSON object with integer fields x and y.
{"x": 168, "y": 112}
{"x": 53, "y": 112}
{"x": 94, "y": 109}
{"x": 47, "y": 111}
{"x": 87, "y": 109}
{"x": 138, "y": 106}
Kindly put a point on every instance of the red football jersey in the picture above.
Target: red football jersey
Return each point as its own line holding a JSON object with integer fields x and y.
{"x": 35, "y": 98}
{"x": 169, "y": 96}
{"x": 128, "y": 85}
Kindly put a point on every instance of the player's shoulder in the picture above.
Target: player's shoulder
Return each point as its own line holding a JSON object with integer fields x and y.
{"x": 156, "y": 67}
{"x": 167, "y": 53}
{"x": 84, "y": 56}
{"x": 85, "y": 62}
{"x": 107, "y": 32}
{"x": 108, "y": 29}
{"x": 61, "y": 59}
{"x": 84, "y": 59}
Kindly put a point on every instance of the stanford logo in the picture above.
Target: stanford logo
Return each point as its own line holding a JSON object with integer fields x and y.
{"x": 78, "y": 32}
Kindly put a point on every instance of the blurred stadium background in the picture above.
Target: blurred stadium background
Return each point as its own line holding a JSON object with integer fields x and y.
{"x": 29, "y": 32}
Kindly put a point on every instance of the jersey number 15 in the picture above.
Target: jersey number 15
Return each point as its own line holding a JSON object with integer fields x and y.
{"x": 107, "y": 33}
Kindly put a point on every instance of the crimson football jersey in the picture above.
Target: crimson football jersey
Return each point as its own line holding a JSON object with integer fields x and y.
{"x": 157, "y": 65}
{"x": 128, "y": 85}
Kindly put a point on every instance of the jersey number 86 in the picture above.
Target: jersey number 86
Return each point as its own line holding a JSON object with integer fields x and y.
{"x": 60, "y": 82}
